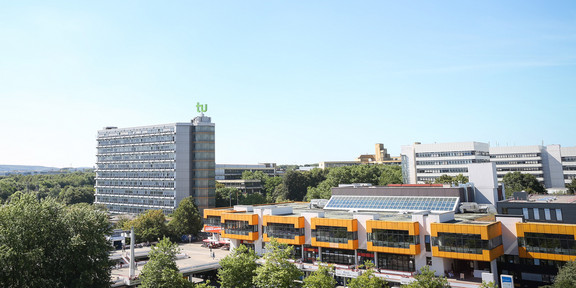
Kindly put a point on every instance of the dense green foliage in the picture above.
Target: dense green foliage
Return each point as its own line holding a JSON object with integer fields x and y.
{"x": 516, "y": 181}
{"x": 238, "y": 268}
{"x": 297, "y": 185}
{"x": 149, "y": 226}
{"x": 427, "y": 279}
{"x": 186, "y": 219}
{"x": 572, "y": 187}
{"x": 277, "y": 271}
{"x": 44, "y": 243}
{"x": 566, "y": 277}
{"x": 152, "y": 225}
{"x": 374, "y": 174}
{"x": 453, "y": 180}
{"x": 321, "y": 278}
{"x": 70, "y": 188}
{"x": 161, "y": 270}
{"x": 368, "y": 279}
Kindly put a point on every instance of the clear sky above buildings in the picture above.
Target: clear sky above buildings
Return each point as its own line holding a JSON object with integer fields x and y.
{"x": 286, "y": 81}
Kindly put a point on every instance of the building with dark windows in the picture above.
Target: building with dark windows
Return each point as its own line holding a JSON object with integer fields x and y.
{"x": 234, "y": 171}
{"x": 155, "y": 167}
{"x": 544, "y": 229}
{"x": 399, "y": 228}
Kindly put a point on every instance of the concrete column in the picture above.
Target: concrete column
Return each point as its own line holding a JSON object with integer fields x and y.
{"x": 376, "y": 259}
{"x": 356, "y": 257}
{"x": 320, "y": 254}
{"x": 494, "y": 270}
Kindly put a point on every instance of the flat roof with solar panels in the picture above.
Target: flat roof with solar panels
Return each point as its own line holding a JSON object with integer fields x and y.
{"x": 393, "y": 203}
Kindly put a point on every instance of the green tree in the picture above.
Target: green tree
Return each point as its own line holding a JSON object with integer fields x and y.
{"x": 566, "y": 277}
{"x": 321, "y": 278}
{"x": 73, "y": 195}
{"x": 296, "y": 183}
{"x": 271, "y": 184}
{"x": 368, "y": 279}
{"x": 373, "y": 174}
{"x": 487, "y": 285}
{"x": 238, "y": 268}
{"x": 161, "y": 270}
{"x": 277, "y": 271}
{"x": 453, "y": 180}
{"x": 186, "y": 219}
{"x": 252, "y": 199}
{"x": 226, "y": 197}
{"x": 572, "y": 187}
{"x": 427, "y": 279}
{"x": 41, "y": 240}
{"x": 390, "y": 175}
{"x": 149, "y": 226}
{"x": 255, "y": 175}
{"x": 516, "y": 181}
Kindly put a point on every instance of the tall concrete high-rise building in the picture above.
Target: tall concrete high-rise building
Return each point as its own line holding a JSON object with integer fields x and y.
{"x": 155, "y": 167}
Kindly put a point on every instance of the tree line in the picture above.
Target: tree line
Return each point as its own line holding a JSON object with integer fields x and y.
{"x": 297, "y": 185}
{"x": 69, "y": 188}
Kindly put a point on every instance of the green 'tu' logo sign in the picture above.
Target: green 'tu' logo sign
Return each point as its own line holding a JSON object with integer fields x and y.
{"x": 201, "y": 107}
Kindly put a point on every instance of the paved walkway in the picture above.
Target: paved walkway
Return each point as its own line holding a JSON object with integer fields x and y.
{"x": 193, "y": 257}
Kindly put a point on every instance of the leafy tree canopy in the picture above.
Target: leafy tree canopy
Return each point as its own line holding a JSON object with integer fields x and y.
{"x": 516, "y": 181}
{"x": 277, "y": 271}
{"x": 368, "y": 279}
{"x": 161, "y": 270}
{"x": 427, "y": 279}
{"x": 321, "y": 278}
{"x": 70, "y": 188}
{"x": 149, "y": 226}
{"x": 572, "y": 187}
{"x": 453, "y": 180}
{"x": 566, "y": 277}
{"x": 44, "y": 243}
{"x": 238, "y": 268}
{"x": 186, "y": 219}
{"x": 374, "y": 174}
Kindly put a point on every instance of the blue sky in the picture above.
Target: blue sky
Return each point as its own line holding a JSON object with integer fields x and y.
{"x": 290, "y": 82}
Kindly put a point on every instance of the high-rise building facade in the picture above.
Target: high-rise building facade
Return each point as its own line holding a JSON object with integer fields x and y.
{"x": 155, "y": 167}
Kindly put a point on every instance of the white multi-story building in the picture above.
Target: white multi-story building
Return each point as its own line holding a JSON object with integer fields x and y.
{"x": 425, "y": 162}
{"x": 552, "y": 165}
{"x": 569, "y": 163}
{"x": 155, "y": 167}
{"x": 544, "y": 162}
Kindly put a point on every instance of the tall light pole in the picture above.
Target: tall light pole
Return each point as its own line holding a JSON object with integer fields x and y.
{"x": 132, "y": 263}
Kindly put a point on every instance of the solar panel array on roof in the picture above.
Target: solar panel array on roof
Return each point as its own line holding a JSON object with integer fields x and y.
{"x": 392, "y": 203}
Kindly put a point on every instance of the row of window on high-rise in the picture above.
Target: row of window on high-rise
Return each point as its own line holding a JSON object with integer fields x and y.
{"x": 135, "y": 131}
{"x": 443, "y": 170}
{"x": 136, "y": 148}
{"x": 133, "y": 183}
{"x": 518, "y": 162}
{"x": 137, "y": 174}
{"x": 451, "y": 162}
{"x": 138, "y": 192}
{"x": 136, "y": 140}
{"x": 136, "y": 201}
{"x": 451, "y": 154}
{"x": 516, "y": 155}
{"x": 138, "y": 157}
{"x": 137, "y": 165}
